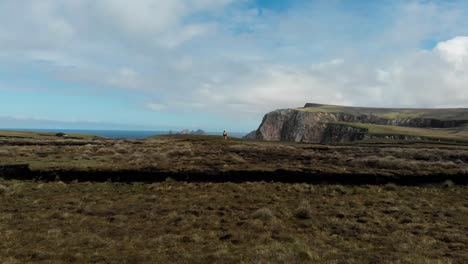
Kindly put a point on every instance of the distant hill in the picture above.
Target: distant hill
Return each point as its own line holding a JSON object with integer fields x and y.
{"x": 192, "y": 132}
{"x": 331, "y": 124}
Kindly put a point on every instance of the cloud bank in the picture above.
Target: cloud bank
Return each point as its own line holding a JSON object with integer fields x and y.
{"x": 240, "y": 59}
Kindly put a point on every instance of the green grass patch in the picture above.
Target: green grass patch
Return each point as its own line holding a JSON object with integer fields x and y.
{"x": 444, "y": 114}
{"x": 443, "y": 134}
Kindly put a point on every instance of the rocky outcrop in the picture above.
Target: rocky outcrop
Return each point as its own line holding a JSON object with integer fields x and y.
{"x": 198, "y": 132}
{"x": 251, "y": 136}
{"x": 337, "y": 133}
{"x": 184, "y": 132}
{"x": 297, "y": 126}
{"x": 300, "y": 125}
{"x": 193, "y": 132}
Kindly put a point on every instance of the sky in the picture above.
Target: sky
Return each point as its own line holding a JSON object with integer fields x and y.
{"x": 223, "y": 64}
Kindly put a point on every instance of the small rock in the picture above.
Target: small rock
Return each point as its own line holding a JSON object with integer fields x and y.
{"x": 448, "y": 184}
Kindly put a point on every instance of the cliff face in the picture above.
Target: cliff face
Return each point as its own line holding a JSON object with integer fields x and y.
{"x": 315, "y": 126}
{"x": 297, "y": 126}
{"x": 300, "y": 126}
{"x": 337, "y": 133}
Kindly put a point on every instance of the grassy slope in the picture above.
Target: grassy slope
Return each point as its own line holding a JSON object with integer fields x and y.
{"x": 453, "y": 134}
{"x": 393, "y": 113}
{"x": 444, "y": 134}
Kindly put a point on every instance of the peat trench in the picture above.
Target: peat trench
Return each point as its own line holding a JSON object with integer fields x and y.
{"x": 23, "y": 172}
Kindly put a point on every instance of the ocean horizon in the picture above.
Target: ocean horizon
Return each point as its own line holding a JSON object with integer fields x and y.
{"x": 115, "y": 134}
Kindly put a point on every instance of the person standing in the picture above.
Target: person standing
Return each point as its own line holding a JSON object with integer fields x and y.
{"x": 225, "y": 135}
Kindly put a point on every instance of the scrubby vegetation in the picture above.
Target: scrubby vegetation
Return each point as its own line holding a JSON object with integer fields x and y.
{"x": 244, "y": 222}
{"x": 43, "y": 135}
{"x": 453, "y": 134}
{"x": 304, "y": 211}
{"x": 393, "y": 113}
{"x": 212, "y": 154}
{"x": 180, "y": 222}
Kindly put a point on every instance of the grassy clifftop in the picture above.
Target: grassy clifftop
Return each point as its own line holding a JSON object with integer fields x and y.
{"x": 456, "y": 135}
{"x": 444, "y": 114}
{"x": 407, "y": 124}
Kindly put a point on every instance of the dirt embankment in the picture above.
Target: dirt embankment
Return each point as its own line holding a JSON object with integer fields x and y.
{"x": 22, "y": 172}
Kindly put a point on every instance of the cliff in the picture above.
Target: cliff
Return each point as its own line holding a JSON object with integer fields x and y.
{"x": 316, "y": 123}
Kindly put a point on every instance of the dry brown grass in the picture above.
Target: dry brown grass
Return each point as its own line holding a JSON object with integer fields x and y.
{"x": 191, "y": 153}
{"x": 175, "y": 222}
{"x": 304, "y": 210}
{"x": 264, "y": 214}
{"x": 228, "y": 222}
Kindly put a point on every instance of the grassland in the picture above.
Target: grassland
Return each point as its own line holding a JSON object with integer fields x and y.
{"x": 211, "y": 154}
{"x": 176, "y": 222}
{"x": 445, "y": 114}
{"x": 224, "y": 221}
{"x": 43, "y": 135}
{"x": 434, "y": 134}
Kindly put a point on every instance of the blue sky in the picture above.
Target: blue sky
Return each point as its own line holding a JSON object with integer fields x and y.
{"x": 223, "y": 64}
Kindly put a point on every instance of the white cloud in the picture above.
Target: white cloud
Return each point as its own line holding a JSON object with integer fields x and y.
{"x": 205, "y": 55}
{"x": 435, "y": 78}
{"x": 48, "y": 24}
{"x": 156, "y": 107}
{"x": 186, "y": 33}
{"x": 455, "y": 51}
{"x": 126, "y": 78}
{"x": 141, "y": 16}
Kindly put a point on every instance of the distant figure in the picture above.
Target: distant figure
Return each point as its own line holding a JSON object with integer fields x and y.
{"x": 225, "y": 134}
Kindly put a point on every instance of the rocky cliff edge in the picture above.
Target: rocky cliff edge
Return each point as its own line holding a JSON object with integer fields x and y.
{"x": 327, "y": 124}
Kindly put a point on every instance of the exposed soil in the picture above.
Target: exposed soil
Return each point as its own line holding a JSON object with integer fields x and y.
{"x": 149, "y": 175}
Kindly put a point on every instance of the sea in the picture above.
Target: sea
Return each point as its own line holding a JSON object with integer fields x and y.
{"x": 130, "y": 134}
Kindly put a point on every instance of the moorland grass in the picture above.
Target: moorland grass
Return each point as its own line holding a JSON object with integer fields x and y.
{"x": 213, "y": 154}
{"x": 176, "y": 222}
{"x": 445, "y": 114}
{"x": 435, "y": 134}
{"x": 43, "y": 135}
{"x": 250, "y": 222}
